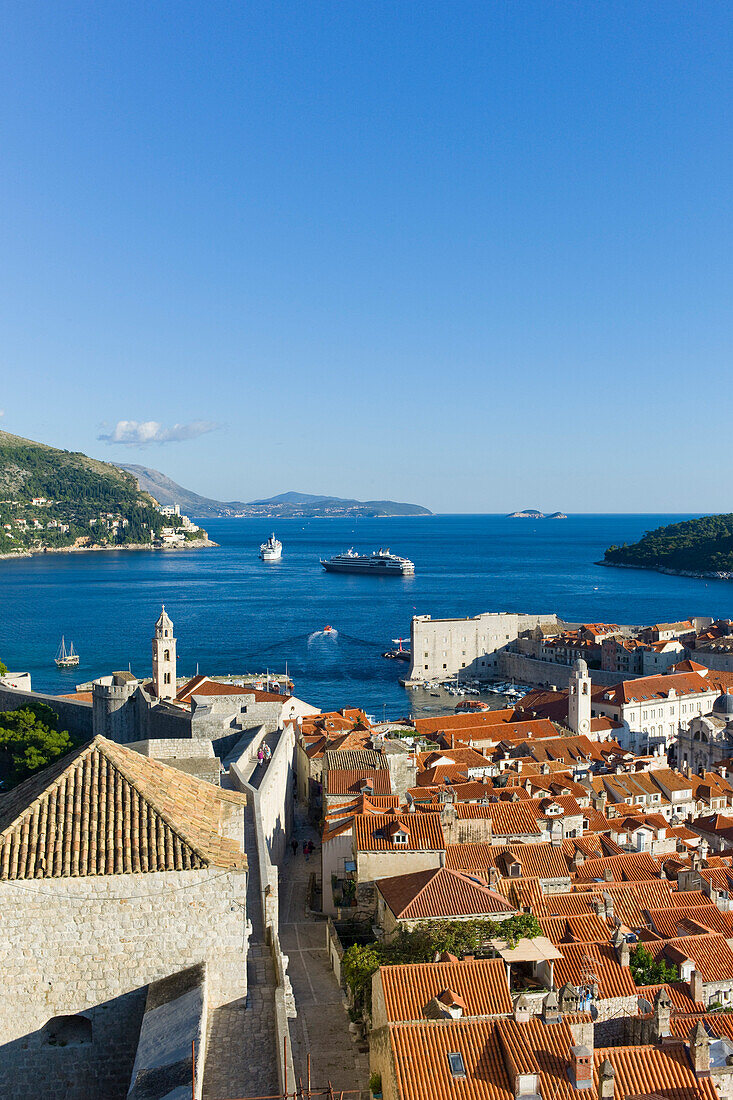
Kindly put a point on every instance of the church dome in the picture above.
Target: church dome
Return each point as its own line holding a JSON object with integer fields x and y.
{"x": 581, "y": 667}
{"x": 723, "y": 706}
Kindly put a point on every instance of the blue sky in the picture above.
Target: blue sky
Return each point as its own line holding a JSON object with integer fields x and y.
{"x": 476, "y": 256}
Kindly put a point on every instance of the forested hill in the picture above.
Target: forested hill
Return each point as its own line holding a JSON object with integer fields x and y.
{"x": 54, "y": 499}
{"x": 702, "y": 545}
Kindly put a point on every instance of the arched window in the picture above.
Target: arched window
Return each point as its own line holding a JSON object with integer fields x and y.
{"x": 166, "y": 655}
{"x": 66, "y": 1031}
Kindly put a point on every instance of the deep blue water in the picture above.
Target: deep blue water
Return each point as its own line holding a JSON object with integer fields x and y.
{"x": 234, "y": 613}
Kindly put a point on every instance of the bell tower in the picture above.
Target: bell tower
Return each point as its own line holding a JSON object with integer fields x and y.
{"x": 164, "y": 657}
{"x": 579, "y": 698}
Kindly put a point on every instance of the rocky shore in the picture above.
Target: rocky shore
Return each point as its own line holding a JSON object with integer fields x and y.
{"x": 197, "y": 544}
{"x": 671, "y": 572}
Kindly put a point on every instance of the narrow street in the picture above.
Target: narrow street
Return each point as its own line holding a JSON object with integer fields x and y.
{"x": 322, "y": 1025}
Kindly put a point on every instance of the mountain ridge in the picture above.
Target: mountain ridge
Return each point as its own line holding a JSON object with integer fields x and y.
{"x": 283, "y": 505}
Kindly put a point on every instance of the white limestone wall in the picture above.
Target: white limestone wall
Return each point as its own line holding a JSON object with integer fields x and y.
{"x": 444, "y": 647}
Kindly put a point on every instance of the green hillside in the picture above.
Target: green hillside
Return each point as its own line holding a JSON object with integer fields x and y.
{"x": 79, "y": 500}
{"x": 702, "y": 545}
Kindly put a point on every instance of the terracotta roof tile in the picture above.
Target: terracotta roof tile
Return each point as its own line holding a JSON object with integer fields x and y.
{"x": 372, "y": 832}
{"x": 481, "y": 984}
{"x": 440, "y": 892}
{"x": 351, "y": 781}
{"x": 104, "y": 809}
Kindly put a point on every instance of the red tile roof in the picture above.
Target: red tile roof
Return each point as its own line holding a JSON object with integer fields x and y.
{"x": 440, "y": 892}
{"x": 350, "y": 781}
{"x": 480, "y": 983}
{"x": 105, "y": 809}
{"x": 372, "y": 832}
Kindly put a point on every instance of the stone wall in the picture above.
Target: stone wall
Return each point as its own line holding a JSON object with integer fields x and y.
{"x": 74, "y": 716}
{"x": 527, "y": 670}
{"x": 90, "y": 947}
{"x": 173, "y": 1026}
{"x": 471, "y": 646}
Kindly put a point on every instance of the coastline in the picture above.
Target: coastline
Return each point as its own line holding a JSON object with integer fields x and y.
{"x": 198, "y": 544}
{"x": 708, "y": 576}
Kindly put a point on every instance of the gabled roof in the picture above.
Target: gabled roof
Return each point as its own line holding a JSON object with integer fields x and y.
{"x": 481, "y": 984}
{"x": 440, "y": 892}
{"x": 579, "y": 959}
{"x": 354, "y": 781}
{"x": 104, "y": 809}
{"x": 371, "y": 832}
{"x": 628, "y": 867}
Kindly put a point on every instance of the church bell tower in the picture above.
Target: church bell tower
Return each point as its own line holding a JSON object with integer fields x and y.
{"x": 164, "y": 657}
{"x": 579, "y": 690}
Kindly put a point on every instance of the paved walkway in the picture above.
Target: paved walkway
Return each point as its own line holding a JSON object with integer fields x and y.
{"x": 241, "y": 1055}
{"x": 322, "y": 1025}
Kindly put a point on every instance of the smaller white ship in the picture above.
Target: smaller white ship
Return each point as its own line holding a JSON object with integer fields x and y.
{"x": 66, "y": 658}
{"x": 272, "y": 550}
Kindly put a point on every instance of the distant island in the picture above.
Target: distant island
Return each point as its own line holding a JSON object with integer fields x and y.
{"x": 283, "y": 506}
{"x": 53, "y": 500}
{"x": 696, "y": 548}
{"x": 534, "y": 513}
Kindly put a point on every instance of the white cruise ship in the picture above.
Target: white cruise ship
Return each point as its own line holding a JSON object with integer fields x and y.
{"x": 380, "y": 563}
{"x": 272, "y": 550}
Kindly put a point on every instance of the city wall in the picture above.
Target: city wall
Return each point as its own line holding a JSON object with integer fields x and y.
{"x": 90, "y": 947}
{"x": 528, "y": 670}
{"x": 469, "y": 647}
{"x": 74, "y": 715}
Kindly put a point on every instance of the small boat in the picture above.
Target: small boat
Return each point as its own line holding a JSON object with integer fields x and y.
{"x": 329, "y": 629}
{"x": 272, "y": 550}
{"x": 66, "y": 658}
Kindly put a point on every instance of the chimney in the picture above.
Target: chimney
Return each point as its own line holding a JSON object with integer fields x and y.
{"x": 581, "y": 1068}
{"x": 697, "y": 990}
{"x": 607, "y": 874}
{"x": 522, "y": 1009}
{"x": 608, "y": 902}
{"x": 606, "y": 1074}
{"x": 551, "y": 1008}
{"x": 493, "y": 878}
{"x": 704, "y": 848}
{"x": 662, "y": 1013}
{"x": 700, "y": 1049}
{"x": 621, "y": 947}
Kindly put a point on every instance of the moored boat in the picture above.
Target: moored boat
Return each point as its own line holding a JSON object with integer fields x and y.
{"x": 380, "y": 563}
{"x": 272, "y": 550}
{"x": 66, "y": 658}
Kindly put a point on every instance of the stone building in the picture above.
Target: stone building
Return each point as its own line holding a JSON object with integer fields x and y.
{"x": 707, "y": 740}
{"x": 442, "y": 648}
{"x": 116, "y": 871}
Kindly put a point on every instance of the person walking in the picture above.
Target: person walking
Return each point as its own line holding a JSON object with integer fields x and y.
{"x": 267, "y": 752}
{"x": 294, "y": 846}
{"x": 260, "y": 756}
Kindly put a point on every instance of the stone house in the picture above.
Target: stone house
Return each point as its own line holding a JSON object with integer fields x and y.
{"x": 406, "y": 901}
{"x": 116, "y": 871}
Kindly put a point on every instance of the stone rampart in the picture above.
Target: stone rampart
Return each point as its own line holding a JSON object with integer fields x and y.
{"x": 528, "y": 670}
{"x": 74, "y": 715}
{"x": 88, "y": 947}
{"x": 173, "y": 1026}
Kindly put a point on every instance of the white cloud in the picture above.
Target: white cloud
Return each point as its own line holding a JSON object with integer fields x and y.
{"x": 139, "y": 433}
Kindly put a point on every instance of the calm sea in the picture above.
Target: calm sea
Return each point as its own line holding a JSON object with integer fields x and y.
{"x": 234, "y": 613}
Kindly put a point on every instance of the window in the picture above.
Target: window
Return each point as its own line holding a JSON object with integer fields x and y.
{"x": 167, "y": 655}
{"x": 426, "y": 668}
{"x": 167, "y": 678}
{"x": 457, "y": 1068}
{"x": 400, "y": 839}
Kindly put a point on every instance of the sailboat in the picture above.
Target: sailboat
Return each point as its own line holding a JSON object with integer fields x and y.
{"x": 66, "y": 658}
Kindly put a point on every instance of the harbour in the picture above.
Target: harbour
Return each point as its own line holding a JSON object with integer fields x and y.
{"x": 239, "y": 616}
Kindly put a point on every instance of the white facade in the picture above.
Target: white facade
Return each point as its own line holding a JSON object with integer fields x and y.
{"x": 443, "y": 648}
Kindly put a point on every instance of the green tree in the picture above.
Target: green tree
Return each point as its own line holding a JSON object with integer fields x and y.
{"x": 3, "y": 668}
{"x": 30, "y": 740}
{"x": 648, "y": 971}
